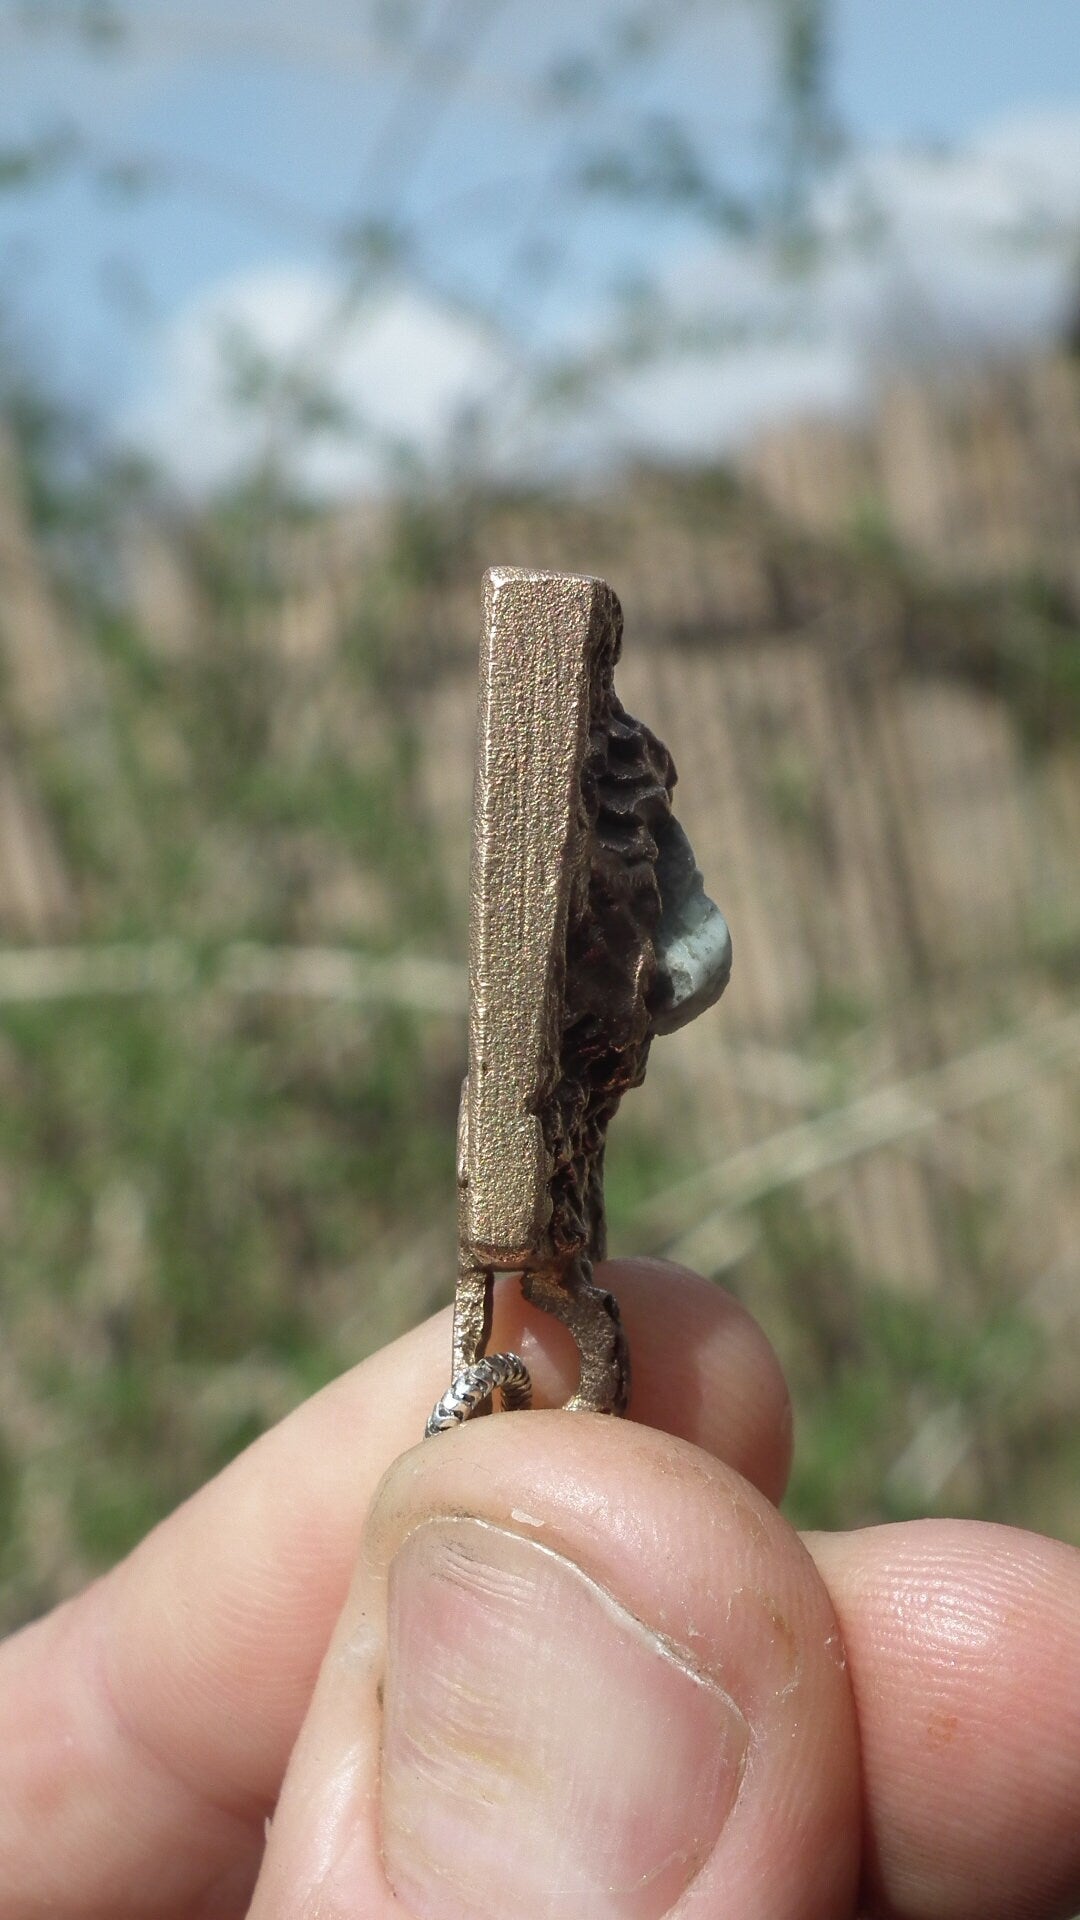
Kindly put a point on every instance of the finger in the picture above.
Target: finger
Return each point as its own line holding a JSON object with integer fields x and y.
{"x": 148, "y": 1725}
{"x": 963, "y": 1642}
{"x": 702, "y": 1368}
{"x": 583, "y": 1669}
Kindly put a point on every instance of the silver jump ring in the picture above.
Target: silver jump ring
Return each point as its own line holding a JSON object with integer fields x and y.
{"x": 475, "y": 1384}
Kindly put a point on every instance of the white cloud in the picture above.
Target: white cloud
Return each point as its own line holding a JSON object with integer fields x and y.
{"x": 922, "y": 254}
{"x": 401, "y": 374}
{"x": 698, "y": 407}
{"x": 976, "y": 246}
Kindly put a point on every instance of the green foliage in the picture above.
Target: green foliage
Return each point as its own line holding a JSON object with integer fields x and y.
{"x": 638, "y": 1164}
{"x": 9, "y": 1510}
{"x": 204, "y": 1178}
{"x": 905, "y": 1403}
{"x": 212, "y": 1201}
{"x": 808, "y": 136}
{"x": 98, "y": 23}
{"x": 907, "y": 1417}
{"x": 792, "y": 791}
{"x": 1040, "y": 661}
{"x": 33, "y": 162}
{"x": 662, "y": 166}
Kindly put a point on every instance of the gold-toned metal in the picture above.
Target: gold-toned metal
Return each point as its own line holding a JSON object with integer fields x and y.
{"x": 589, "y": 931}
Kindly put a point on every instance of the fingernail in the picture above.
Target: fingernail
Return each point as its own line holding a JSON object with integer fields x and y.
{"x": 544, "y": 1754}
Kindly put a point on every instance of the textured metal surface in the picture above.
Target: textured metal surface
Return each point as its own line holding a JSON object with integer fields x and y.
{"x": 589, "y": 930}
{"x": 543, "y": 634}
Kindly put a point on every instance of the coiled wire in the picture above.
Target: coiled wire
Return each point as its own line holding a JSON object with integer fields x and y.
{"x": 505, "y": 1372}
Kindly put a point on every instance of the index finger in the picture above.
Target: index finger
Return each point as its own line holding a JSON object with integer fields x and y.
{"x": 147, "y": 1725}
{"x": 963, "y": 1645}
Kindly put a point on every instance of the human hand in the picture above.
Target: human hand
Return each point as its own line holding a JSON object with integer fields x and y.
{"x": 584, "y": 1668}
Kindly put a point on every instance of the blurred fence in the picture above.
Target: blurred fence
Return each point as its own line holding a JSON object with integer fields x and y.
{"x": 880, "y": 772}
{"x": 977, "y": 470}
{"x": 896, "y": 865}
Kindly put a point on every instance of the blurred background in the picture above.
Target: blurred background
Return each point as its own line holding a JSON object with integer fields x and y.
{"x": 769, "y": 312}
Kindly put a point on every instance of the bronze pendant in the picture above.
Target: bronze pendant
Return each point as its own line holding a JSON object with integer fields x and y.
{"x": 589, "y": 932}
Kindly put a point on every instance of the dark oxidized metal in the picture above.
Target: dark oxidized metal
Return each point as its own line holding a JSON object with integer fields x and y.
{"x": 589, "y": 932}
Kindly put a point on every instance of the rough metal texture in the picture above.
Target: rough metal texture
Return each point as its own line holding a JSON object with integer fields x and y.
{"x": 589, "y": 932}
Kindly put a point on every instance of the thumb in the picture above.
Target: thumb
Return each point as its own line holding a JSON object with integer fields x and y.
{"x": 583, "y": 1669}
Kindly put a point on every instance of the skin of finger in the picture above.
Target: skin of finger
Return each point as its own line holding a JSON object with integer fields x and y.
{"x": 150, "y": 1722}
{"x": 695, "y": 1554}
{"x": 963, "y": 1641}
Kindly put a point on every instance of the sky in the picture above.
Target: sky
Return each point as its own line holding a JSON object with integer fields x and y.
{"x": 209, "y": 268}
